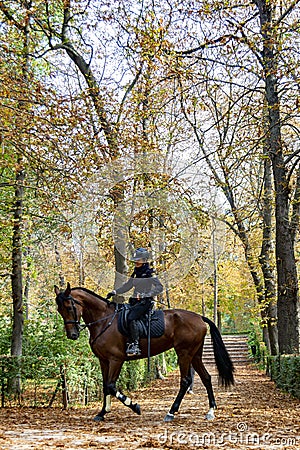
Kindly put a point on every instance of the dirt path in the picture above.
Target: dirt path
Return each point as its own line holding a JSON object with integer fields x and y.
{"x": 253, "y": 414}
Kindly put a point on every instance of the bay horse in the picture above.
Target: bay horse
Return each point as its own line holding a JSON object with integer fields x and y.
{"x": 184, "y": 331}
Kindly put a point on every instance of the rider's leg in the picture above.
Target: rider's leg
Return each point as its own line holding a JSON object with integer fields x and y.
{"x": 133, "y": 346}
{"x": 138, "y": 309}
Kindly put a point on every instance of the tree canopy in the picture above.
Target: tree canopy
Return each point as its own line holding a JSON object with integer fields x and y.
{"x": 128, "y": 124}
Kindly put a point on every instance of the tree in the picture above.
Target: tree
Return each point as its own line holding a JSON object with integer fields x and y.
{"x": 288, "y": 291}
{"x": 16, "y": 277}
{"x": 261, "y": 35}
{"x": 34, "y": 134}
{"x": 266, "y": 258}
{"x": 115, "y": 120}
{"x": 165, "y": 80}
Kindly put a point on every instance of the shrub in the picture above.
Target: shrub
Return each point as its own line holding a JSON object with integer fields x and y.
{"x": 285, "y": 372}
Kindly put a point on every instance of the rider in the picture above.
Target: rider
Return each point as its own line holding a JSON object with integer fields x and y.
{"x": 146, "y": 286}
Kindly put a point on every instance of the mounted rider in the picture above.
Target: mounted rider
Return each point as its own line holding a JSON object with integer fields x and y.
{"x": 146, "y": 286}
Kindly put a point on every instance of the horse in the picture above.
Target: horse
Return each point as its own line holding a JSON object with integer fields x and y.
{"x": 184, "y": 331}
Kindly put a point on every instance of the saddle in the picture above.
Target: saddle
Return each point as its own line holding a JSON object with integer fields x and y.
{"x": 157, "y": 322}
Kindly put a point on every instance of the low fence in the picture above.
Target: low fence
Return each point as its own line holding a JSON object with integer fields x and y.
{"x": 40, "y": 381}
{"x": 284, "y": 370}
{"x": 34, "y": 381}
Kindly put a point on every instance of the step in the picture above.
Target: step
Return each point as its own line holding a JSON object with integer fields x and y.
{"x": 236, "y": 346}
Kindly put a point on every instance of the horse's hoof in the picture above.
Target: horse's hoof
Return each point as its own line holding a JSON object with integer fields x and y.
{"x": 169, "y": 417}
{"x": 136, "y": 408}
{"x": 98, "y": 418}
{"x": 210, "y": 415}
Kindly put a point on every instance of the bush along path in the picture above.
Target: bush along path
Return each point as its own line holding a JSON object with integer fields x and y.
{"x": 252, "y": 414}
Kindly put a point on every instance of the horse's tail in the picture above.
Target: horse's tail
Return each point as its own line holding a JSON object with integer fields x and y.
{"x": 222, "y": 358}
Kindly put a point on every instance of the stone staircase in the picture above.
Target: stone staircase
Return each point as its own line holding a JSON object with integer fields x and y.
{"x": 236, "y": 345}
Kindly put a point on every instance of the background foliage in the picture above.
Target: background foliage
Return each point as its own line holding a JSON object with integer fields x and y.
{"x": 83, "y": 84}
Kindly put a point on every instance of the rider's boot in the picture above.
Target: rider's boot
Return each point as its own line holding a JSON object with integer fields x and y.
{"x": 133, "y": 346}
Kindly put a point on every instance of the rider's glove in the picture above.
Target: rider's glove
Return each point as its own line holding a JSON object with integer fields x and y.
{"x": 111, "y": 294}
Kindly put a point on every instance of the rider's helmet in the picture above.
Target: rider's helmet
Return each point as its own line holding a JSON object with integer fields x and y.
{"x": 141, "y": 254}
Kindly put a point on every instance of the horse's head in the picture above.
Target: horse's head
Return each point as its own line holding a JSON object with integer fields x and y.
{"x": 70, "y": 309}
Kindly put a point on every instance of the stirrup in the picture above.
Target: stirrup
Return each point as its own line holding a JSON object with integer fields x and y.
{"x": 133, "y": 349}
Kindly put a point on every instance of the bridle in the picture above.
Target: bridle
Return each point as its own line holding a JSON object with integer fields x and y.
{"x": 76, "y": 321}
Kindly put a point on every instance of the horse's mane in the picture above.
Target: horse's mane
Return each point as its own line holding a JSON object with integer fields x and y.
{"x": 94, "y": 294}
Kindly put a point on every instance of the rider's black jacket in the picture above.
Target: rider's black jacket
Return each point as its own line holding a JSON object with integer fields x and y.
{"x": 144, "y": 282}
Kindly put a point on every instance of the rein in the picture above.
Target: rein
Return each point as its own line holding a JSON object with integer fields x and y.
{"x": 87, "y": 325}
{"x": 81, "y": 327}
{"x": 107, "y": 326}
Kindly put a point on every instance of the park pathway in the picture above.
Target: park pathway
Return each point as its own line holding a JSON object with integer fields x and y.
{"x": 252, "y": 414}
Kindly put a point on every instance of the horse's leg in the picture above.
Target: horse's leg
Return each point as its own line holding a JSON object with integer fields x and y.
{"x": 184, "y": 362}
{"x": 106, "y": 395}
{"x": 113, "y": 374}
{"x": 206, "y": 380}
{"x": 135, "y": 407}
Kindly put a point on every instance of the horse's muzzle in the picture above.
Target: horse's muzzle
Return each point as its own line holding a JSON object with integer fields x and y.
{"x": 73, "y": 335}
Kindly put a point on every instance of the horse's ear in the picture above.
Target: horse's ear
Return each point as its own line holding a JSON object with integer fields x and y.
{"x": 68, "y": 290}
{"x": 56, "y": 289}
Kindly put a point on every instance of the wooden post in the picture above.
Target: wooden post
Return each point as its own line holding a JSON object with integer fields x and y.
{"x": 86, "y": 391}
{"x": 2, "y": 383}
{"x": 54, "y": 393}
{"x": 64, "y": 386}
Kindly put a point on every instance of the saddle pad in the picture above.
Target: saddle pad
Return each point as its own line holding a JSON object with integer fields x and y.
{"x": 157, "y": 323}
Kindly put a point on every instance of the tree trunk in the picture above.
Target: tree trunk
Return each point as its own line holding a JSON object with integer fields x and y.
{"x": 217, "y": 312}
{"x": 120, "y": 248}
{"x": 287, "y": 297}
{"x": 270, "y": 311}
{"x": 16, "y": 278}
{"x": 27, "y": 283}
{"x": 60, "y": 267}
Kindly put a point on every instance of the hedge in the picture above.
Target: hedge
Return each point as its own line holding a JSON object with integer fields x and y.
{"x": 284, "y": 370}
